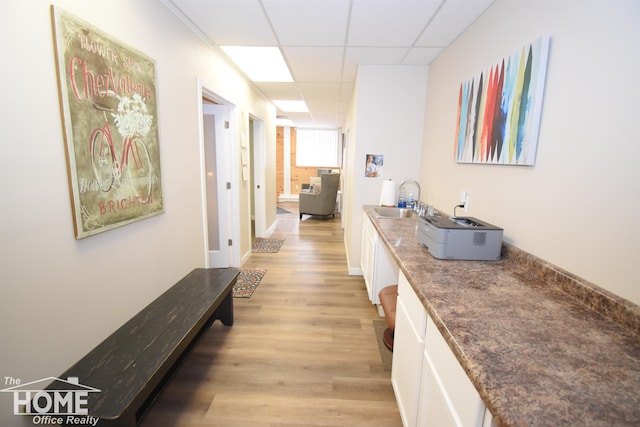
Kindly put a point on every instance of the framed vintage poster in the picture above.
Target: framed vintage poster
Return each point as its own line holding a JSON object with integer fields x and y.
{"x": 109, "y": 112}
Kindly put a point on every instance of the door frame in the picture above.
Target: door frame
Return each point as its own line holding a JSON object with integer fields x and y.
{"x": 226, "y": 172}
{"x": 259, "y": 161}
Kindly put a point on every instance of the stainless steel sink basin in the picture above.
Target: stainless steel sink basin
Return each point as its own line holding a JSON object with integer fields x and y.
{"x": 390, "y": 212}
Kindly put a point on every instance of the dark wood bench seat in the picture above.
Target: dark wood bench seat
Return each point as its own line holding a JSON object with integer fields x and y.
{"x": 130, "y": 365}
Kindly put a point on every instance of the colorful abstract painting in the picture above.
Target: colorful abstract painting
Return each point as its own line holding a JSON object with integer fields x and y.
{"x": 499, "y": 110}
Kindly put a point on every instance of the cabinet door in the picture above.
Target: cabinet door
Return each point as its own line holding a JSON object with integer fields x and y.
{"x": 434, "y": 410}
{"x": 488, "y": 419}
{"x": 385, "y": 270}
{"x": 408, "y": 347}
{"x": 448, "y": 393}
{"x": 367, "y": 253}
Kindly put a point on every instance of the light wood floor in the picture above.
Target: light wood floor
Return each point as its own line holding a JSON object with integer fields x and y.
{"x": 302, "y": 350}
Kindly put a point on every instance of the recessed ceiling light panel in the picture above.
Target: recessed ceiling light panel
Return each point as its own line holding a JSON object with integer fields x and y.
{"x": 260, "y": 63}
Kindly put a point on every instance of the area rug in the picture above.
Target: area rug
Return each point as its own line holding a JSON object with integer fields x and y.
{"x": 281, "y": 211}
{"x": 267, "y": 245}
{"x": 248, "y": 281}
{"x": 385, "y": 354}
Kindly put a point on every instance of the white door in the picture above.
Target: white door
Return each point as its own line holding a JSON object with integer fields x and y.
{"x": 217, "y": 141}
{"x": 258, "y": 165}
{"x": 346, "y": 178}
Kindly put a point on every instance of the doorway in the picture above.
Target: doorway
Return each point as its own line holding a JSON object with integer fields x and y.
{"x": 257, "y": 167}
{"x": 219, "y": 185}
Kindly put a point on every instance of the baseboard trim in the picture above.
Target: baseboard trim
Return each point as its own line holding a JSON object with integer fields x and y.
{"x": 355, "y": 271}
{"x": 288, "y": 198}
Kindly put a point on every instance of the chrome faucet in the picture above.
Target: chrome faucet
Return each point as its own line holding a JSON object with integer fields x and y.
{"x": 417, "y": 199}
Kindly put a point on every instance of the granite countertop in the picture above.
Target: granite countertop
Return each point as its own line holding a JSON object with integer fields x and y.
{"x": 537, "y": 355}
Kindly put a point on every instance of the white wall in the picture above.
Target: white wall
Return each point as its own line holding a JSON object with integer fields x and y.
{"x": 577, "y": 207}
{"x": 61, "y": 296}
{"x": 388, "y": 112}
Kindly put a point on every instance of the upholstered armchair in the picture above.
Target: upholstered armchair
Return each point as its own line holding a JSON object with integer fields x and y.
{"x": 323, "y": 202}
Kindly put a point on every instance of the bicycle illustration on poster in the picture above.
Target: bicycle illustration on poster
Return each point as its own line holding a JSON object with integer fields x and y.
{"x": 108, "y": 97}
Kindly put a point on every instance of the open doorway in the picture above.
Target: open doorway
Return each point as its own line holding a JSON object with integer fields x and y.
{"x": 219, "y": 186}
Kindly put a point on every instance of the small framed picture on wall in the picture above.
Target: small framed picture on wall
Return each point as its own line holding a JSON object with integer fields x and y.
{"x": 373, "y": 165}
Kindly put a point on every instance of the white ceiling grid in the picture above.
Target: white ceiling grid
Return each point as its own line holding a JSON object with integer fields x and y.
{"x": 324, "y": 41}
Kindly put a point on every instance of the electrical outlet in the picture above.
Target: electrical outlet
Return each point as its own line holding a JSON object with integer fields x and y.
{"x": 464, "y": 200}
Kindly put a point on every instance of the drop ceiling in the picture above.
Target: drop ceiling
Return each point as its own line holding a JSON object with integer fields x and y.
{"x": 324, "y": 41}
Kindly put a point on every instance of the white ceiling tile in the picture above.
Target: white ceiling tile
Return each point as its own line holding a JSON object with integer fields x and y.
{"x": 324, "y": 106}
{"x": 301, "y": 119}
{"x": 421, "y": 55}
{"x": 343, "y": 106}
{"x": 314, "y": 64}
{"x": 279, "y": 90}
{"x": 452, "y": 19}
{"x": 324, "y": 119}
{"x": 230, "y": 22}
{"x": 324, "y": 41}
{"x": 389, "y": 23}
{"x": 346, "y": 92}
{"x": 375, "y": 55}
{"x": 320, "y": 90}
{"x": 349, "y": 72}
{"x": 316, "y": 23}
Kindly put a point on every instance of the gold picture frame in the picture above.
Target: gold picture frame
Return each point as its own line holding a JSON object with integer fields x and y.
{"x": 110, "y": 119}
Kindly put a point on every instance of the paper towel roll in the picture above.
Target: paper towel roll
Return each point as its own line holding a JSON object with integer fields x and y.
{"x": 388, "y": 193}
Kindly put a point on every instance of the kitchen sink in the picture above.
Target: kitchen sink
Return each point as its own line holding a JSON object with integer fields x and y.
{"x": 391, "y": 212}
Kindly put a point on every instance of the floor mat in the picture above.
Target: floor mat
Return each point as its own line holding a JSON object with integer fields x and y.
{"x": 267, "y": 245}
{"x": 248, "y": 281}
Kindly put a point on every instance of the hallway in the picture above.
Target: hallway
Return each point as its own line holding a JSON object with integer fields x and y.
{"x": 302, "y": 351}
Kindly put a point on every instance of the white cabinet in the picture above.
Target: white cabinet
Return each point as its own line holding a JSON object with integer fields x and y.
{"x": 379, "y": 270}
{"x": 367, "y": 251}
{"x": 408, "y": 346}
{"x": 448, "y": 396}
{"x": 431, "y": 387}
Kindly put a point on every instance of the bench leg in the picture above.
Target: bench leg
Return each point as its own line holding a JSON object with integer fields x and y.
{"x": 224, "y": 312}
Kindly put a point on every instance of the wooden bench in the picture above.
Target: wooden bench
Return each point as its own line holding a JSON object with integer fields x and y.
{"x": 131, "y": 365}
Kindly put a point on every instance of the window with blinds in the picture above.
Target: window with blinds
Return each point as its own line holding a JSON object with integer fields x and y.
{"x": 318, "y": 147}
